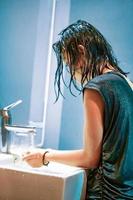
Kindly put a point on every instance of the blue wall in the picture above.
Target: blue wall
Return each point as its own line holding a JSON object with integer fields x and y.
{"x": 18, "y": 27}
{"x": 24, "y": 51}
{"x": 115, "y": 20}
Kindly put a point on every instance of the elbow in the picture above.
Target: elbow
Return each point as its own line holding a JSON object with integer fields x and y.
{"x": 88, "y": 165}
{"x": 89, "y": 162}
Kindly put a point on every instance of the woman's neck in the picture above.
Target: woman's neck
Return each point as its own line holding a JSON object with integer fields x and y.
{"x": 109, "y": 68}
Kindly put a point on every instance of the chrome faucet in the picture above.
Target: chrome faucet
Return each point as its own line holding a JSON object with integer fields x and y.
{"x": 7, "y": 127}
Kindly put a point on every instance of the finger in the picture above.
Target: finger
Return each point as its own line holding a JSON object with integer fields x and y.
{"x": 29, "y": 154}
{"x": 26, "y": 153}
{"x": 27, "y": 157}
{"x": 33, "y": 163}
{"x": 32, "y": 156}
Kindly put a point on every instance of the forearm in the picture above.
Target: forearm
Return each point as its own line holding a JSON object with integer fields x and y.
{"x": 72, "y": 157}
{"x": 78, "y": 158}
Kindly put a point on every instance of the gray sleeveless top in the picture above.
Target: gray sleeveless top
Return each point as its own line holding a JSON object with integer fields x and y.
{"x": 113, "y": 179}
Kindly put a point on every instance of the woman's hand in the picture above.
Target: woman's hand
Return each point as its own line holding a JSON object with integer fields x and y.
{"x": 34, "y": 159}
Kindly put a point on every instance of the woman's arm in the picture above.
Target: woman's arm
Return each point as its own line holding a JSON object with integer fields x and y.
{"x": 89, "y": 156}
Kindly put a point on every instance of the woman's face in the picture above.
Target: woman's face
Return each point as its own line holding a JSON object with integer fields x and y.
{"x": 76, "y": 67}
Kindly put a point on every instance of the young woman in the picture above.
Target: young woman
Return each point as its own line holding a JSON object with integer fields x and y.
{"x": 108, "y": 113}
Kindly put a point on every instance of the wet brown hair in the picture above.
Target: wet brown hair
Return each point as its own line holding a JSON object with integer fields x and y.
{"x": 98, "y": 53}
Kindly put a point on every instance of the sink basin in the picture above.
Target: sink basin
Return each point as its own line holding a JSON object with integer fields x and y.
{"x": 13, "y": 162}
{"x": 6, "y": 159}
{"x": 19, "y": 181}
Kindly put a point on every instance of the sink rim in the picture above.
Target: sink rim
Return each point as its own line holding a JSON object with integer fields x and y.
{"x": 50, "y": 170}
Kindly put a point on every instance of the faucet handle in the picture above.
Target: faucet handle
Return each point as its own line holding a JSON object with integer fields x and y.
{"x": 12, "y": 105}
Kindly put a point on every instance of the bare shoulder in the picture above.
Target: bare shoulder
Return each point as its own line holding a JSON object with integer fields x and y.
{"x": 93, "y": 108}
{"x": 93, "y": 98}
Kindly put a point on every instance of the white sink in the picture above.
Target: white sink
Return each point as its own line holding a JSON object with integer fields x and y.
{"x": 13, "y": 162}
{"x": 6, "y": 159}
{"x": 19, "y": 181}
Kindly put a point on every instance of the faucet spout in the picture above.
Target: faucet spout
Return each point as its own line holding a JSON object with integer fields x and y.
{"x": 12, "y": 105}
{"x": 20, "y": 129}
